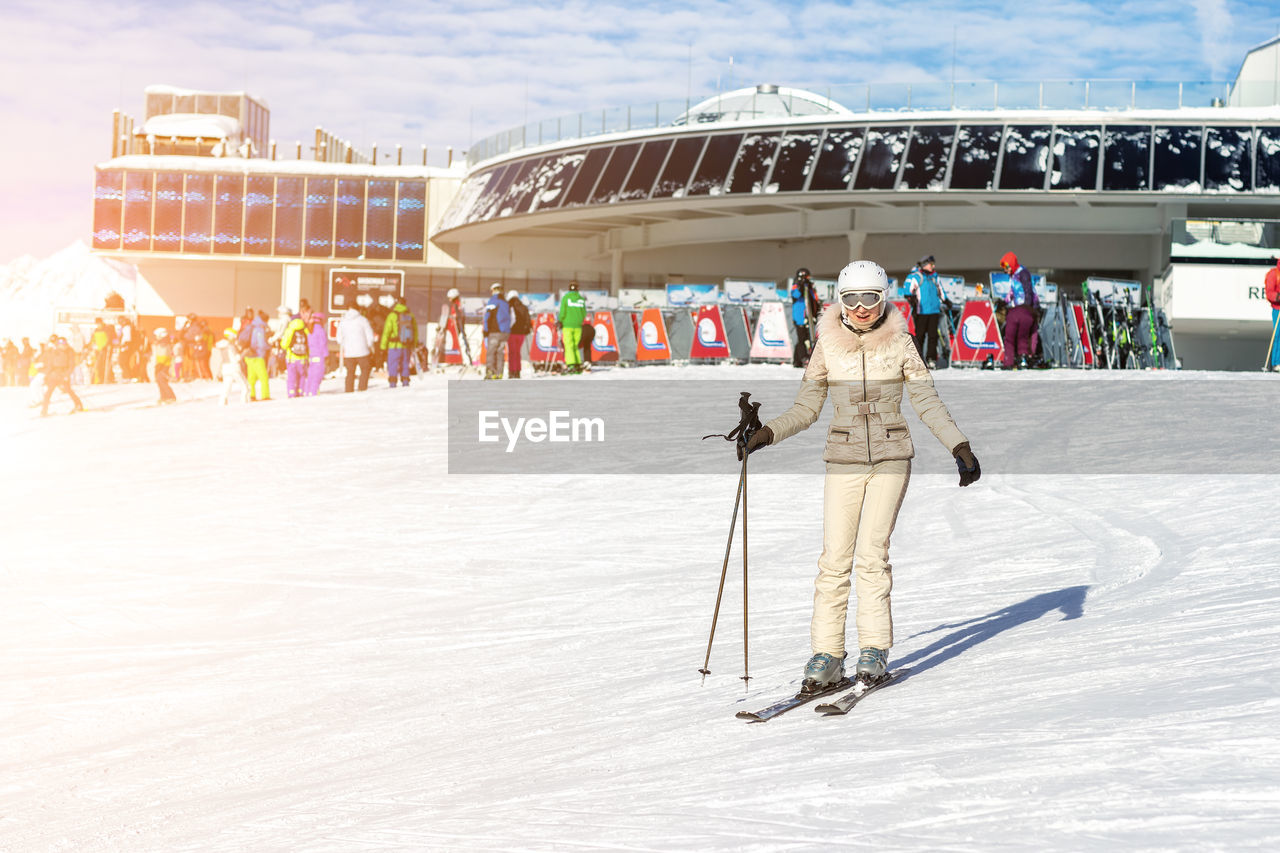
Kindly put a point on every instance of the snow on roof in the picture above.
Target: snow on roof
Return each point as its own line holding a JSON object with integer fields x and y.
{"x": 761, "y": 102}
{"x": 190, "y": 126}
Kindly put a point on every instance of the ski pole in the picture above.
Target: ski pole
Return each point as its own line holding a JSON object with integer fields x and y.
{"x": 1270, "y": 344}
{"x": 746, "y": 672}
{"x": 724, "y": 571}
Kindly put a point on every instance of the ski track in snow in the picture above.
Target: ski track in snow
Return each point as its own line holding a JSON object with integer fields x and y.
{"x": 284, "y": 627}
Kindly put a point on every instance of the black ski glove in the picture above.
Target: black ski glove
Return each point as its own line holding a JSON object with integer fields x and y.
{"x": 762, "y": 437}
{"x": 967, "y": 463}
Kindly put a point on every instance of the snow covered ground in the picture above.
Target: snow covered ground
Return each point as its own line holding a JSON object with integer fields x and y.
{"x": 286, "y": 626}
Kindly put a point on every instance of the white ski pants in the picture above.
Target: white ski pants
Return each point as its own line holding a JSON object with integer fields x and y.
{"x": 860, "y": 508}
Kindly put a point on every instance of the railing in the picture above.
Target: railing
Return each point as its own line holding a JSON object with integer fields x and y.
{"x": 1102, "y": 95}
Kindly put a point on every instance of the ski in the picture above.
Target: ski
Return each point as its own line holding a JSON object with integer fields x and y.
{"x": 861, "y": 690}
{"x": 790, "y": 702}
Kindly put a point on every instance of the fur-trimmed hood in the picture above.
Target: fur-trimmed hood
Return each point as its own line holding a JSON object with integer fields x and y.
{"x": 837, "y": 335}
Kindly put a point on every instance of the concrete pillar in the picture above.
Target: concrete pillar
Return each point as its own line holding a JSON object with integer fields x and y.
{"x": 616, "y": 272}
{"x": 291, "y": 285}
{"x": 857, "y": 245}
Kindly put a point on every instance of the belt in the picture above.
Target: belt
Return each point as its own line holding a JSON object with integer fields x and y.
{"x": 873, "y": 408}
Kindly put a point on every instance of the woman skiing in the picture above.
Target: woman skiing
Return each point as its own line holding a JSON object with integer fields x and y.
{"x": 863, "y": 359}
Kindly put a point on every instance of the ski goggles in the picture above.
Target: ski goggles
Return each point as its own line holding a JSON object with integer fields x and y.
{"x": 865, "y": 298}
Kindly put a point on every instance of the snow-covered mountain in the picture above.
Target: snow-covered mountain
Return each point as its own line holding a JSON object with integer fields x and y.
{"x": 32, "y": 290}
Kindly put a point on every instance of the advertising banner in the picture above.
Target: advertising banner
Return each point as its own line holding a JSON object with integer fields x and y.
{"x": 709, "y": 339}
{"x": 905, "y": 308}
{"x": 1078, "y": 332}
{"x": 544, "y": 343}
{"x": 688, "y": 295}
{"x": 539, "y": 303}
{"x": 604, "y": 346}
{"x": 1002, "y": 287}
{"x": 749, "y": 292}
{"x": 978, "y": 335}
{"x": 772, "y": 339}
{"x": 653, "y": 342}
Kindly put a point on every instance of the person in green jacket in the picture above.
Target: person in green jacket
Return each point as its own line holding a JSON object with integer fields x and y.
{"x": 399, "y": 338}
{"x": 573, "y": 310}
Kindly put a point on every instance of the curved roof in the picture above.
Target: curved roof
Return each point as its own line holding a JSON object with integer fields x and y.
{"x": 760, "y": 102}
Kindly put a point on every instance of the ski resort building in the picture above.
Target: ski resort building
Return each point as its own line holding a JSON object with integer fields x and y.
{"x": 1173, "y": 185}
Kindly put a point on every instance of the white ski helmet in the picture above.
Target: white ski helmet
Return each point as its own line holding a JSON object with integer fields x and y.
{"x": 512, "y": 294}
{"x": 453, "y": 293}
{"x": 862, "y": 277}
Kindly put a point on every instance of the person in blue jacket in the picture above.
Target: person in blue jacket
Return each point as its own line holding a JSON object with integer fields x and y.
{"x": 497, "y": 327}
{"x": 925, "y": 296}
{"x": 804, "y": 308}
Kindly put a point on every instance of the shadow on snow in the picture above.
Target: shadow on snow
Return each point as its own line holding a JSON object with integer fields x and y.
{"x": 966, "y": 635}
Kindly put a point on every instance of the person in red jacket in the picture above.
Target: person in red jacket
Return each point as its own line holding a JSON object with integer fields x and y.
{"x": 1273, "y": 296}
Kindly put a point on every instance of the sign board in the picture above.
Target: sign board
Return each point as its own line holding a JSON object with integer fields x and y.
{"x": 352, "y": 288}
{"x": 772, "y": 338}
{"x": 709, "y": 338}
{"x": 978, "y": 334}
{"x": 904, "y": 308}
{"x": 742, "y": 292}
{"x": 686, "y": 295}
{"x": 1002, "y": 285}
{"x": 544, "y": 343}
{"x": 652, "y": 341}
{"x": 604, "y": 346}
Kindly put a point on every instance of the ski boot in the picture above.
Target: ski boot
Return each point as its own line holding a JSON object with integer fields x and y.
{"x": 822, "y": 672}
{"x": 872, "y": 664}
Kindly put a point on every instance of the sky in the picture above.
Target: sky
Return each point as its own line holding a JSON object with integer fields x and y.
{"x": 415, "y": 72}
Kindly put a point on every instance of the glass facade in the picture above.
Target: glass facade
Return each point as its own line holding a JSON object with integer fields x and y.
{"x": 411, "y": 220}
{"x": 137, "y": 210}
{"x": 932, "y": 157}
{"x": 228, "y": 213}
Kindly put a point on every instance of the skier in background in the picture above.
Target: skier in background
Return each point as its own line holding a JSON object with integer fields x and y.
{"x": 162, "y": 348}
{"x": 925, "y": 295}
{"x": 452, "y": 310}
{"x": 573, "y": 310}
{"x": 225, "y": 364}
{"x": 255, "y": 345}
{"x": 296, "y": 354}
{"x": 1020, "y": 320}
{"x": 355, "y": 346}
{"x": 1273, "y": 296}
{"x": 521, "y": 325}
{"x": 497, "y": 326}
{"x": 317, "y": 353}
{"x": 866, "y": 359}
{"x": 399, "y": 337}
{"x": 804, "y": 307}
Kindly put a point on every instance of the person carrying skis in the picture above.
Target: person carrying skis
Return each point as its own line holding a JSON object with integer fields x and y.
{"x": 452, "y": 310}
{"x": 925, "y": 296}
{"x": 1020, "y": 319}
{"x": 864, "y": 359}
{"x": 1273, "y": 296}
{"x": 804, "y": 308}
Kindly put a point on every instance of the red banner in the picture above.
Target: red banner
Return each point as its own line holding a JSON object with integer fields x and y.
{"x": 905, "y": 307}
{"x": 709, "y": 338}
{"x": 544, "y": 344}
{"x": 1082, "y": 324}
{"x": 978, "y": 335}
